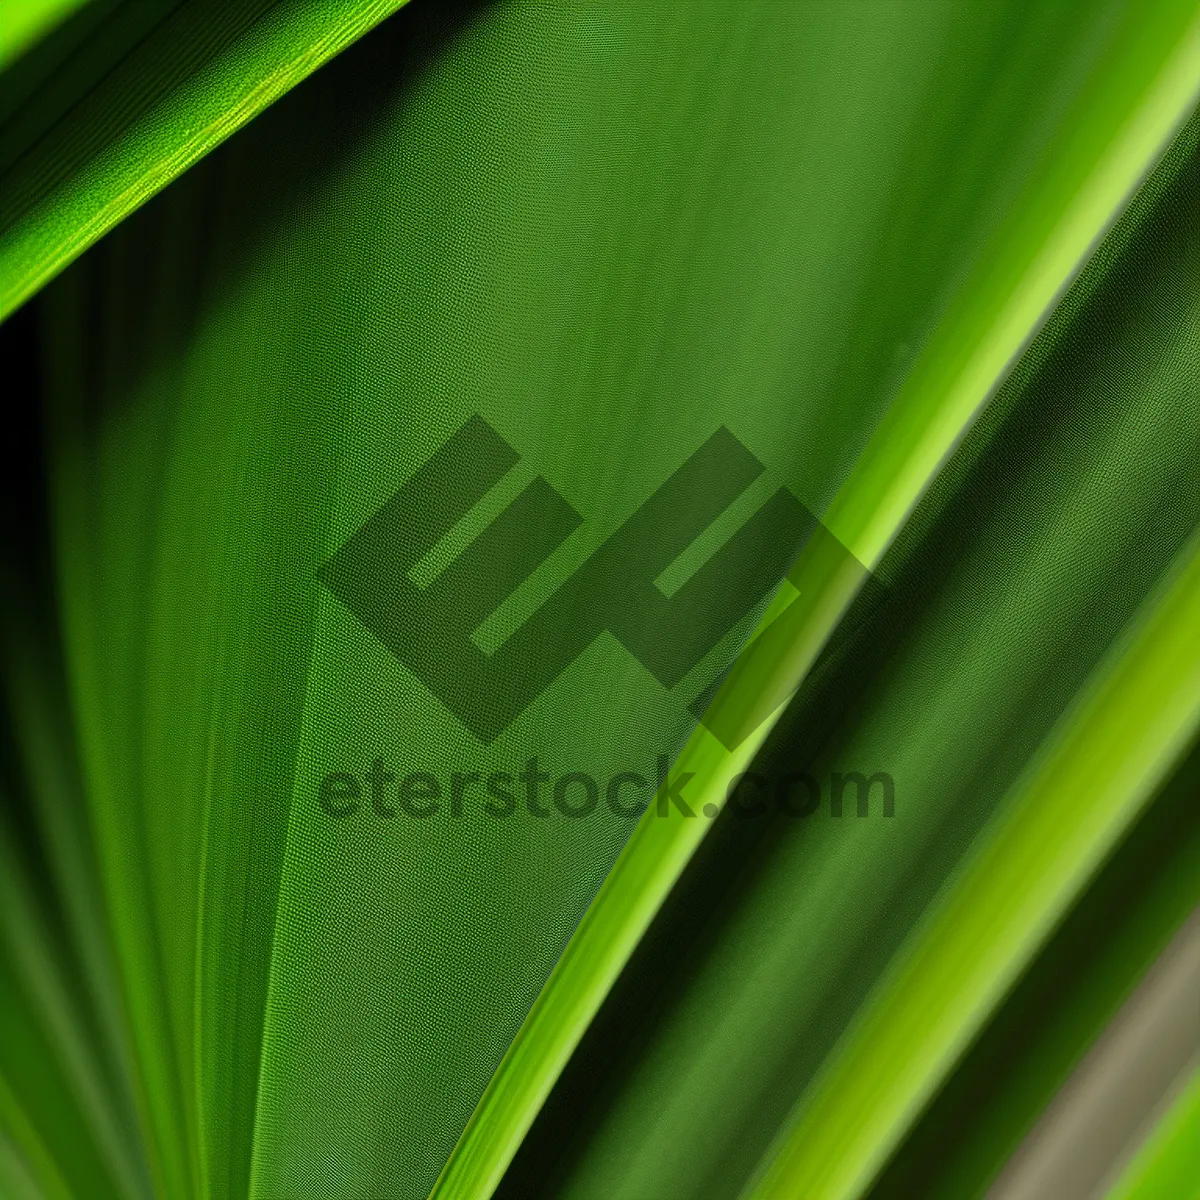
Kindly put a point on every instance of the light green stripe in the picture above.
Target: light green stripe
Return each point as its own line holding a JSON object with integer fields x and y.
{"x": 975, "y": 351}
{"x": 1071, "y": 805}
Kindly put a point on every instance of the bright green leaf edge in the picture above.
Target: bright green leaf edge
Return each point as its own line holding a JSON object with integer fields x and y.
{"x": 164, "y": 137}
{"x": 1063, "y": 1003}
{"x": 1118, "y": 142}
{"x": 26, "y": 21}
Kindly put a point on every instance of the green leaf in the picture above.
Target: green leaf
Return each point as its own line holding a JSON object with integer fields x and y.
{"x": 1030, "y": 553}
{"x": 605, "y": 233}
{"x": 92, "y": 144}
